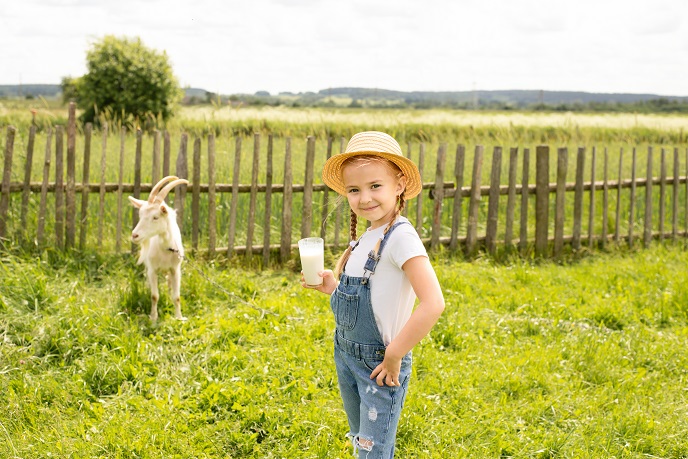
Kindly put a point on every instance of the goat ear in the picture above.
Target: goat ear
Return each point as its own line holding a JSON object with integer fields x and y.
{"x": 163, "y": 209}
{"x": 136, "y": 202}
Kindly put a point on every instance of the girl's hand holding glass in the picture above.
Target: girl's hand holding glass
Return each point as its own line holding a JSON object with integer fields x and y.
{"x": 329, "y": 283}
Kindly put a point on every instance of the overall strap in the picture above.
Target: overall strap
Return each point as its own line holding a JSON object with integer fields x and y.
{"x": 375, "y": 254}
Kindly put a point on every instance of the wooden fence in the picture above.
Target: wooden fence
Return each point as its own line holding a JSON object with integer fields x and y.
{"x": 448, "y": 212}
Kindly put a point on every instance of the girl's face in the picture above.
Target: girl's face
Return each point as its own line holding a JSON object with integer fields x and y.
{"x": 372, "y": 188}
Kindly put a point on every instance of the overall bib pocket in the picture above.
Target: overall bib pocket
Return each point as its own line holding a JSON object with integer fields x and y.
{"x": 345, "y": 309}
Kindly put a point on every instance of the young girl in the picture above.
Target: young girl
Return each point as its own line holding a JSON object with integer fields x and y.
{"x": 380, "y": 275}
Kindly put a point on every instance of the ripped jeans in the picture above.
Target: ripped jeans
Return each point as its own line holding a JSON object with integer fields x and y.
{"x": 373, "y": 411}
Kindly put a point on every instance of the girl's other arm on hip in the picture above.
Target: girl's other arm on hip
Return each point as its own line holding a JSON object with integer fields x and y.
{"x": 431, "y": 304}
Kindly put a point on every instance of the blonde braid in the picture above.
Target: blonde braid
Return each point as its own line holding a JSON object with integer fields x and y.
{"x": 353, "y": 226}
{"x": 339, "y": 267}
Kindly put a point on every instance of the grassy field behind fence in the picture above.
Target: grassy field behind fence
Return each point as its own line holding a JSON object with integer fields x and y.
{"x": 529, "y": 360}
{"x": 405, "y": 124}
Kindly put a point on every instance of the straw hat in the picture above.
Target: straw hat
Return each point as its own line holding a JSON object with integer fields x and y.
{"x": 376, "y": 144}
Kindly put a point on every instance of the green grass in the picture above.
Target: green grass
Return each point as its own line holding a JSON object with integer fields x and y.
{"x": 583, "y": 359}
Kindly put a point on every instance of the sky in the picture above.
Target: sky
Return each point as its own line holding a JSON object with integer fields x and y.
{"x": 230, "y": 47}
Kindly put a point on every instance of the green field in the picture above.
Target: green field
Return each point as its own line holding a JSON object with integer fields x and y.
{"x": 585, "y": 359}
{"x": 530, "y": 360}
{"x": 485, "y": 127}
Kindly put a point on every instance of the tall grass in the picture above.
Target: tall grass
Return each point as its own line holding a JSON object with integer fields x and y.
{"x": 529, "y": 360}
{"x": 406, "y": 125}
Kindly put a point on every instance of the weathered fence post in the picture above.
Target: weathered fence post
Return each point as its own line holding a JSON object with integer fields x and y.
{"x": 631, "y": 211}
{"x": 605, "y": 199}
{"x": 617, "y": 225}
{"x": 44, "y": 189}
{"x": 71, "y": 178}
{"x": 253, "y": 196}
{"x": 340, "y": 205}
{"x": 458, "y": 198}
{"x": 326, "y": 197}
{"x": 419, "y": 198}
{"x": 307, "y": 214}
{"x": 120, "y": 190}
{"x": 103, "y": 169}
{"x": 138, "y": 154}
{"x": 212, "y": 209}
{"x": 59, "y": 188}
{"x": 493, "y": 201}
{"x": 511, "y": 200}
{"x": 235, "y": 197}
{"x": 647, "y": 230}
{"x": 85, "y": 187}
{"x": 438, "y": 197}
{"x": 182, "y": 171}
{"x": 196, "y": 194}
{"x": 474, "y": 203}
{"x": 285, "y": 240}
{"x": 662, "y": 193}
{"x": 685, "y": 223}
{"x": 591, "y": 214}
{"x": 166, "y": 153}
{"x": 674, "y": 202}
{"x": 578, "y": 200}
{"x": 155, "y": 169}
{"x": 409, "y": 147}
{"x": 525, "y": 191}
{"x": 267, "y": 221}
{"x": 6, "y": 177}
{"x": 560, "y": 207}
{"x": 26, "y": 192}
{"x": 541, "y": 200}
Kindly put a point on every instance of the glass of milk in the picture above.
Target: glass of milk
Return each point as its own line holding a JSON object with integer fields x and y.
{"x": 311, "y": 250}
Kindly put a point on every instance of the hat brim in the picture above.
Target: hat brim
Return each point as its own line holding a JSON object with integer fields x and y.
{"x": 332, "y": 171}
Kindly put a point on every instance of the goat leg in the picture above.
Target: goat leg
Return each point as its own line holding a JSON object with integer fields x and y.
{"x": 155, "y": 294}
{"x": 174, "y": 280}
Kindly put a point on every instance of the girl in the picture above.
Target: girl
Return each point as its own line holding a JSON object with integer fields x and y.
{"x": 380, "y": 275}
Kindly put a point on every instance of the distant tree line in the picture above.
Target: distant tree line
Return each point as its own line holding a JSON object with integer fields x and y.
{"x": 311, "y": 99}
{"x": 119, "y": 85}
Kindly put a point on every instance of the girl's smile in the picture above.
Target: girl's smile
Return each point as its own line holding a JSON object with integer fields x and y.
{"x": 372, "y": 188}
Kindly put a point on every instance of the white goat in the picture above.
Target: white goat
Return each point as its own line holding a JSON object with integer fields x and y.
{"x": 161, "y": 242}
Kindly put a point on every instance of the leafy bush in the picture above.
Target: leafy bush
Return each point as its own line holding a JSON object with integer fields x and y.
{"x": 126, "y": 82}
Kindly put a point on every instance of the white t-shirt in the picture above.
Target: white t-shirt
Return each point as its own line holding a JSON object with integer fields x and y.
{"x": 391, "y": 292}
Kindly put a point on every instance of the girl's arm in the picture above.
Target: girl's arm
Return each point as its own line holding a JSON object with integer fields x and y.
{"x": 427, "y": 288}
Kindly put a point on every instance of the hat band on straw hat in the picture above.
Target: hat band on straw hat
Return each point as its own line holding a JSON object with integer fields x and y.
{"x": 373, "y": 143}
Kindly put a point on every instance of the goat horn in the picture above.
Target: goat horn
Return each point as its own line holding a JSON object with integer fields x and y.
{"x": 163, "y": 193}
{"x": 156, "y": 189}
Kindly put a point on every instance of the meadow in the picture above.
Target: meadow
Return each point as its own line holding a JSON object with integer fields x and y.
{"x": 404, "y": 124}
{"x": 583, "y": 357}
{"x": 542, "y": 360}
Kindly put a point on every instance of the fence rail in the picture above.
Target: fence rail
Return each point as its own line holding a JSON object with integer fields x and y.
{"x": 550, "y": 213}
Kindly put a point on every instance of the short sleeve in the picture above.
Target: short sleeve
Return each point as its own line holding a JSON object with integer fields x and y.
{"x": 404, "y": 244}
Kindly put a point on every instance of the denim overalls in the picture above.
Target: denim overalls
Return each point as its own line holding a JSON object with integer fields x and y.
{"x": 373, "y": 411}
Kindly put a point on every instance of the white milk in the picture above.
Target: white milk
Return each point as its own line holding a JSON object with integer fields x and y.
{"x": 312, "y": 259}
